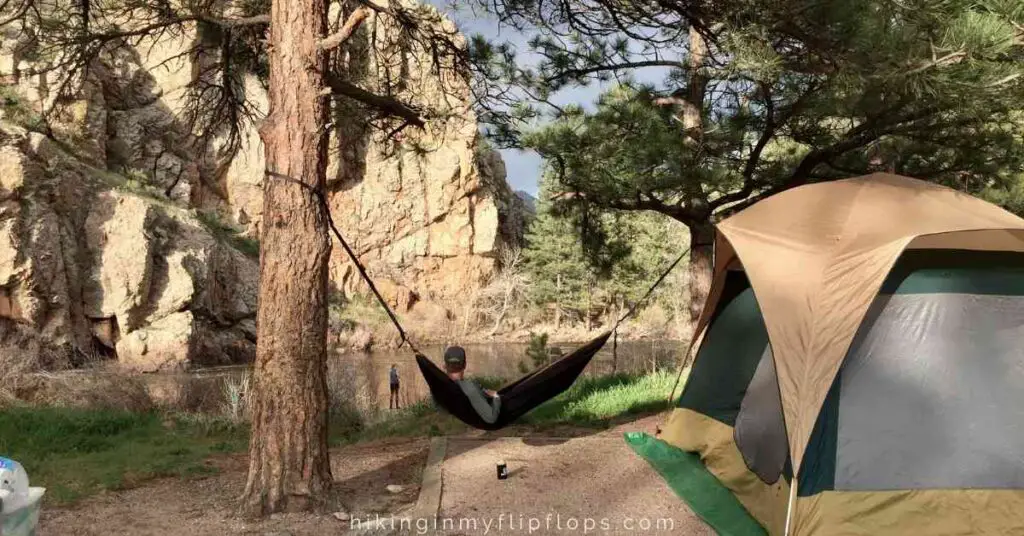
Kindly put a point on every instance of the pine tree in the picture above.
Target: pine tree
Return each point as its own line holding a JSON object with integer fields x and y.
{"x": 302, "y": 60}
{"x": 558, "y": 269}
{"x": 635, "y": 251}
{"x": 759, "y": 97}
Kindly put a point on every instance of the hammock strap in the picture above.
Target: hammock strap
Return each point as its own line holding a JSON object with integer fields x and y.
{"x": 322, "y": 204}
{"x": 321, "y": 199}
{"x": 650, "y": 291}
{"x": 615, "y": 328}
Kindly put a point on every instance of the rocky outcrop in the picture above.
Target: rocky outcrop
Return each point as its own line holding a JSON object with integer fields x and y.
{"x": 87, "y": 268}
{"x": 428, "y": 210}
{"x": 115, "y": 261}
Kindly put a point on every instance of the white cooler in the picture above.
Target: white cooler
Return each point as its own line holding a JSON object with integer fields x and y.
{"x": 19, "y": 503}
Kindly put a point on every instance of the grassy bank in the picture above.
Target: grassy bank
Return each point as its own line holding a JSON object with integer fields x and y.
{"x": 77, "y": 452}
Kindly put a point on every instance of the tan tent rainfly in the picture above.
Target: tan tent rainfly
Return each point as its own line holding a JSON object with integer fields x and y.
{"x": 814, "y": 260}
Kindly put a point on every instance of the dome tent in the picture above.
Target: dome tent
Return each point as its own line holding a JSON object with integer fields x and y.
{"x": 866, "y": 335}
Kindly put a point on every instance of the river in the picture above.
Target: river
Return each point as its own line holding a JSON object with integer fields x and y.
{"x": 500, "y": 360}
{"x": 363, "y": 376}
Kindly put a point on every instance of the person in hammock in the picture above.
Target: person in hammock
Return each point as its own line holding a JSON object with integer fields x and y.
{"x": 486, "y": 402}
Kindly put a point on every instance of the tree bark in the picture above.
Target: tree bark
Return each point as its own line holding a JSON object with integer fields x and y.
{"x": 702, "y": 241}
{"x": 696, "y": 87}
{"x": 590, "y": 307}
{"x": 509, "y": 289}
{"x": 558, "y": 301}
{"x": 702, "y": 233}
{"x": 289, "y": 468}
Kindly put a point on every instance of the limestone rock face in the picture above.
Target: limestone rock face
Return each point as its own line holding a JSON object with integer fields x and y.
{"x": 122, "y": 259}
{"x": 88, "y": 269}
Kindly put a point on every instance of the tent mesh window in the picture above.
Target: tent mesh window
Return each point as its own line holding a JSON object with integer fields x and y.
{"x": 734, "y": 381}
{"x": 931, "y": 393}
{"x": 732, "y": 348}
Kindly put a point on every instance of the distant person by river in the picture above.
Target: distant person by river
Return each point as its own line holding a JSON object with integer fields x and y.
{"x": 395, "y": 382}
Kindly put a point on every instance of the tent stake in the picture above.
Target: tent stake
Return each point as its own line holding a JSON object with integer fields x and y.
{"x": 789, "y": 508}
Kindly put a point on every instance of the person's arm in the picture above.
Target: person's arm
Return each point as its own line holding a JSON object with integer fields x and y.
{"x": 487, "y": 409}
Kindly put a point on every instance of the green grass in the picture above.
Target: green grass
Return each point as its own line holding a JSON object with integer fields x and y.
{"x": 358, "y": 309}
{"x": 228, "y": 233}
{"x": 591, "y": 403}
{"x": 17, "y": 111}
{"x": 595, "y": 401}
{"x": 77, "y": 452}
{"x": 490, "y": 382}
{"x": 421, "y": 419}
{"x": 74, "y": 453}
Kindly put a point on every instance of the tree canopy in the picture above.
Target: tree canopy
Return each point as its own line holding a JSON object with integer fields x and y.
{"x": 580, "y": 283}
{"x": 761, "y": 96}
{"x": 752, "y": 98}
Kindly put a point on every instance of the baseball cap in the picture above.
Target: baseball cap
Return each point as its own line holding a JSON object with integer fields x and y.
{"x": 455, "y": 356}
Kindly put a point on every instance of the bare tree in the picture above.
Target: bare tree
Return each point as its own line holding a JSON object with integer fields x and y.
{"x": 505, "y": 290}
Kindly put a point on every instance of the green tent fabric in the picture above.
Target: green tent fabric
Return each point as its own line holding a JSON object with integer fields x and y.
{"x": 704, "y": 493}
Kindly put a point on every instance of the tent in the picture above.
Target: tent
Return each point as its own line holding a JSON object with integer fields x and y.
{"x": 867, "y": 336}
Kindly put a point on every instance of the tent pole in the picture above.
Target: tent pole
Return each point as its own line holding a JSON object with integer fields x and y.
{"x": 789, "y": 508}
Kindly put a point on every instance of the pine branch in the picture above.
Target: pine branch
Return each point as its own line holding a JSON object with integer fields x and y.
{"x": 255, "y": 20}
{"x": 749, "y": 182}
{"x": 382, "y": 103}
{"x": 576, "y": 73}
{"x": 351, "y": 25}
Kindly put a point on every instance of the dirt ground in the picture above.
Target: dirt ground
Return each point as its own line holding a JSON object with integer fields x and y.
{"x": 202, "y": 507}
{"x": 592, "y": 484}
{"x": 579, "y": 483}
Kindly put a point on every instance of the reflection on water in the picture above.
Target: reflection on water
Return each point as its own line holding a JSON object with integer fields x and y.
{"x": 363, "y": 377}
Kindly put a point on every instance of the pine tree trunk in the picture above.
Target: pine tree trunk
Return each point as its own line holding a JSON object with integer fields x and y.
{"x": 558, "y": 301}
{"x": 702, "y": 233}
{"x": 289, "y": 468}
{"x": 590, "y": 306}
{"x": 696, "y": 87}
{"x": 702, "y": 240}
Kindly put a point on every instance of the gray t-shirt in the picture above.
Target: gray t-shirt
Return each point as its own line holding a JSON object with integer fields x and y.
{"x": 394, "y": 376}
{"x": 485, "y": 406}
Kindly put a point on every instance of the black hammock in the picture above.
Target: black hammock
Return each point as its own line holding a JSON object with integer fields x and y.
{"x": 517, "y": 398}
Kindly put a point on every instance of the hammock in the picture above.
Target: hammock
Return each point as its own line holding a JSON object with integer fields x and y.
{"x": 517, "y": 398}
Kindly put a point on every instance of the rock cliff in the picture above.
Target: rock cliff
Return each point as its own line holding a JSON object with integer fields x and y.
{"x": 120, "y": 230}
{"x": 89, "y": 268}
{"x": 427, "y": 210}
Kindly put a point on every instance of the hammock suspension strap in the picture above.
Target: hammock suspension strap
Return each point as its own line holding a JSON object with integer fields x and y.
{"x": 321, "y": 200}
